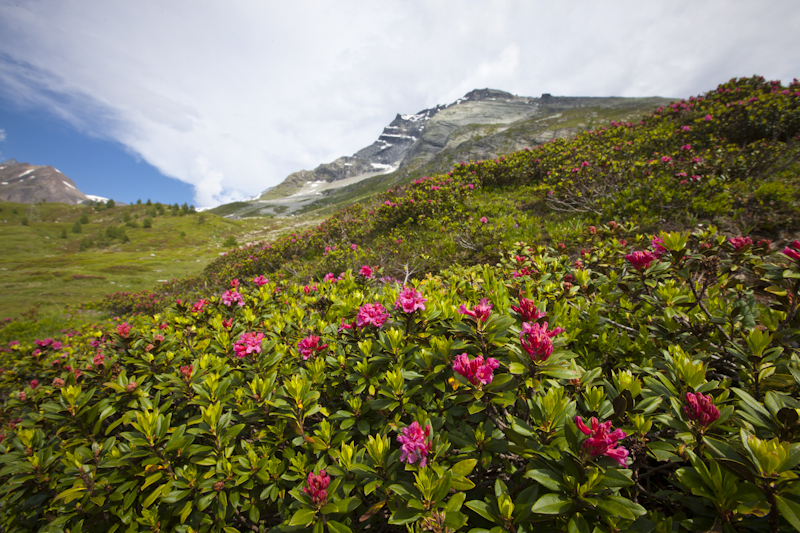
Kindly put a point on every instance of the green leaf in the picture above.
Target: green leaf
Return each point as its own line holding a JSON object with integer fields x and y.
{"x": 483, "y": 509}
{"x": 303, "y": 517}
{"x": 552, "y": 504}
{"x": 404, "y": 515}
{"x": 517, "y": 368}
{"x": 337, "y": 527}
{"x": 465, "y": 467}
{"x": 547, "y": 478}
{"x": 621, "y": 507}
{"x": 455, "y": 502}
{"x": 790, "y": 510}
{"x": 577, "y": 524}
{"x": 348, "y": 504}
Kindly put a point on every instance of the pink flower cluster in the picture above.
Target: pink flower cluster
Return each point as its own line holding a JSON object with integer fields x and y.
{"x": 479, "y": 313}
{"x": 641, "y": 260}
{"x": 310, "y": 346}
{"x": 658, "y": 246}
{"x": 366, "y": 271}
{"x": 199, "y": 305}
{"x": 371, "y": 315}
{"x": 260, "y": 280}
{"x": 123, "y": 330}
{"x": 410, "y": 300}
{"x": 527, "y": 310}
{"x": 414, "y": 444}
{"x": 317, "y": 487}
{"x": 701, "y": 409}
{"x": 741, "y": 243}
{"x": 537, "y": 341}
{"x": 793, "y": 251}
{"x": 249, "y": 343}
{"x": 475, "y": 370}
{"x": 601, "y": 441}
{"x": 232, "y": 295}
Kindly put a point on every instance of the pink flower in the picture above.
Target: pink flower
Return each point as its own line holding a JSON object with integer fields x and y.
{"x": 44, "y": 343}
{"x": 410, "y": 300}
{"x": 741, "y": 243}
{"x": 793, "y": 251}
{"x": 354, "y": 246}
{"x": 585, "y": 164}
{"x": 666, "y": 159}
{"x": 249, "y": 343}
{"x": 414, "y": 445}
{"x": 686, "y": 128}
{"x": 708, "y": 118}
{"x": 230, "y": 296}
{"x": 329, "y": 277}
{"x": 123, "y": 330}
{"x": 345, "y": 326}
{"x": 99, "y": 359}
{"x": 593, "y": 230}
{"x": 186, "y": 372}
{"x": 58, "y": 382}
{"x": 260, "y": 280}
{"x": 601, "y": 442}
{"x": 658, "y": 246}
{"x": 34, "y": 383}
{"x": 537, "y": 341}
{"x": 234, "y": 283}
{"x": 371, "y": 315}
{"x": 484, "y": 220}
{"x": 366, "y": 271}
{"x": 479, "y": 313}
{"x": 199, "y": 305}
{"x": 641, "y": 260}
{"x": 317, "y": 485}
{"x": 701, "y": 409}
{"x": 309, "y": 346}
{"x": 527, "y": 310}
{"x": 475, "y": 370}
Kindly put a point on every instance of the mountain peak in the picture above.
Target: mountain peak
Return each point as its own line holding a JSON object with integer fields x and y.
{"x": 26, "y": 183}
{"x": 486, "y": 94}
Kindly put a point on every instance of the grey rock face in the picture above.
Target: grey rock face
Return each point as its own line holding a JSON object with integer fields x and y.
{"x": 29, "y": 184}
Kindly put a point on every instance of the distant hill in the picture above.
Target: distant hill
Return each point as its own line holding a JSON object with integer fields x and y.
{"x": 483, "y": 124}
{"x": 29, "y": 184}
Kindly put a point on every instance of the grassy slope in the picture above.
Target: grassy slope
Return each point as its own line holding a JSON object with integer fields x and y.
{"x": 39, "y": 269}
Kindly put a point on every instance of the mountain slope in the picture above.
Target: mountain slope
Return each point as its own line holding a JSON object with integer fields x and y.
{"x": 484, "y": 124}
{"x": 29, "y": 184}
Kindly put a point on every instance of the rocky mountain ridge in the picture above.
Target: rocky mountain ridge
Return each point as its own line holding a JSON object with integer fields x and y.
{"x": 30, "y": 184}
{"x": 483, "y": 124}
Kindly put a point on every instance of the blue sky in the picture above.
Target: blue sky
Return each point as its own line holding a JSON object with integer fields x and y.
{"x": 100, "y": 167}
{"x": 207, "y": 102}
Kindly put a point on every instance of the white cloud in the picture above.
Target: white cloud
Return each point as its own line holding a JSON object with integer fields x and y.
{"x": 233, "y": 97}
{"x": 2, "y": 135}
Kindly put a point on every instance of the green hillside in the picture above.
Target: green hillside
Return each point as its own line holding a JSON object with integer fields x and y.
{"x": 50, "y": 263}
{"x": 600, "y": 334}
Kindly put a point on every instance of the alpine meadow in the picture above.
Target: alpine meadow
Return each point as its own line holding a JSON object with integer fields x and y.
{"x": 597, "y": 333}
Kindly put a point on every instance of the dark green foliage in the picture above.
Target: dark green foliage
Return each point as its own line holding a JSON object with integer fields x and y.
{"x": 76, "y": 227}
